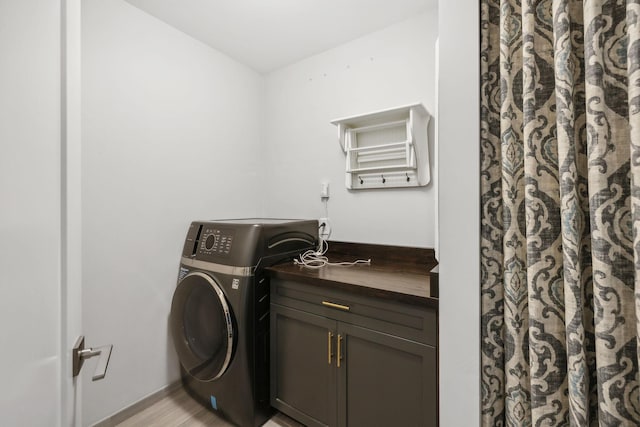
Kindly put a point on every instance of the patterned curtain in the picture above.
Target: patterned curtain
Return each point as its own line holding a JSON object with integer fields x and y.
{"x": 560, "y": 214}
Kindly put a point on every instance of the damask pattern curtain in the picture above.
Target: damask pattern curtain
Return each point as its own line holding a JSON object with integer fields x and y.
{"x": 560, "y": 214}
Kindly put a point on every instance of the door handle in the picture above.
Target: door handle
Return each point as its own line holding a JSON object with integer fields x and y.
{"x": 329, "y": 353}
{"x": 80, "y": 354}
{"x": 339, "y": 352}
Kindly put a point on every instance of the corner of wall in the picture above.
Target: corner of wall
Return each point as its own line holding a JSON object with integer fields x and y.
{"x": 459, "y": 135}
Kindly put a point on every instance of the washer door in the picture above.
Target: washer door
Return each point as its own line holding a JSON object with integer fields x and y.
{"x": 202, "y": 327}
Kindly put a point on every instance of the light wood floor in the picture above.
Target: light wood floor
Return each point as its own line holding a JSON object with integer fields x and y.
{"x": 178, "y": 409}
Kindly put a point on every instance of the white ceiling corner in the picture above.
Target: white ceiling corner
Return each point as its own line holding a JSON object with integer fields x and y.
{"x": 270, "y": 34}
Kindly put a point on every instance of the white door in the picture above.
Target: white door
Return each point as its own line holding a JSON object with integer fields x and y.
{"x": 39, "y": 210}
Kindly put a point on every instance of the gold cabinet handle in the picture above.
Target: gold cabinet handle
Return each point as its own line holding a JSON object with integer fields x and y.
{"x": 339, "y": 355}
{"x": 329, "y": 354}
{"x": 334, "y": 305}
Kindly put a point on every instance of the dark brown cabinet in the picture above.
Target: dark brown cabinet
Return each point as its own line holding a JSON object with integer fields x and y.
{"x": 303, "y": 381}
{"x": 340, "y": 359}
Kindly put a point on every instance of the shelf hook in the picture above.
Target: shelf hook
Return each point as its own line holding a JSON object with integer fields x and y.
{"x": 383, "y": 179}
{"x": 361, "y": 181}
{"x": 408, "y": 179}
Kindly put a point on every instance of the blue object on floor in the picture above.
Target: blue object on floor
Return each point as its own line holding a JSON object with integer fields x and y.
{"x": 214, "y": 403}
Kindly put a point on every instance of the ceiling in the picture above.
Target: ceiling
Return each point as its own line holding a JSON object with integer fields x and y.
{"x": 270, "y": 34}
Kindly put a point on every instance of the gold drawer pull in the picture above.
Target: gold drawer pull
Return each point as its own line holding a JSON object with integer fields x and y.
{"x": 334, "y": 305}
{"x": 339, "y": 355}
{"x": 329, "y": 355}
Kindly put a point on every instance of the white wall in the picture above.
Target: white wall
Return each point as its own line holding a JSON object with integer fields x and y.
{"x": 30, "y": 202}
{"x": 170, "y": 132}
{"x": 459, "y": 206}
{"x": 385, "y": 69}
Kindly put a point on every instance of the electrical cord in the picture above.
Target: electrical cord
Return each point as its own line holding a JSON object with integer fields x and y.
{"x": 317, "y": 258}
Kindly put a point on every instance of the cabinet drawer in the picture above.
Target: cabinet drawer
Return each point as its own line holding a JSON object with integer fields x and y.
{"x": 403, "y": 320}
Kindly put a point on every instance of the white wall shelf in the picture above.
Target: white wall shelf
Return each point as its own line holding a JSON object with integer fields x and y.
{"x": 387, "y": 148}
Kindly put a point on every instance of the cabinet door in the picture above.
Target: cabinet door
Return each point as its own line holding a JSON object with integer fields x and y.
{"x": 303, "y": 378}
{"x": 384, "y": 380}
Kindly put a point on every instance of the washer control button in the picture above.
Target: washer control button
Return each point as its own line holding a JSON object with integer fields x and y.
{"x": 211, "y": 240}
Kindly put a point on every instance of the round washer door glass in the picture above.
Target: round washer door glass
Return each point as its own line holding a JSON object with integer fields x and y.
{"x": 202, "y": 327}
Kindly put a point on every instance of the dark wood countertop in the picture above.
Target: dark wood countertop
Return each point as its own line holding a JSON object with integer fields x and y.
{"x": 396, "y": 273}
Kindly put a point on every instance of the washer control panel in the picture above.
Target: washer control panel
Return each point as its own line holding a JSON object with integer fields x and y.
{"x": 215, "y": 241}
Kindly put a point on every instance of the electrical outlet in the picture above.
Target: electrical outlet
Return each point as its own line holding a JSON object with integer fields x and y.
{"x": 324, "y": 230}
